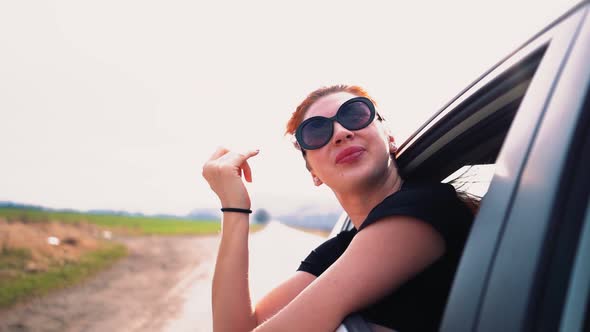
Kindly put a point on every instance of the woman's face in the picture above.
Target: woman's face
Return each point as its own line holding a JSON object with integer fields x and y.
{"x": 350, "y": 158}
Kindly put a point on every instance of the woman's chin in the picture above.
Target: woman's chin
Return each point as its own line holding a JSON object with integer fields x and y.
{"x": 351, "y": 178}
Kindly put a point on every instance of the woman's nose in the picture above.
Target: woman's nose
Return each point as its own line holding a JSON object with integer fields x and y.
{"x": 341, "y": 134}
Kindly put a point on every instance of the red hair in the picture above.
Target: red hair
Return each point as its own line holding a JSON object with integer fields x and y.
{"x": 297, "y": 116}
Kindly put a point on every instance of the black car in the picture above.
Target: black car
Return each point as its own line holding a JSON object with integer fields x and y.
{"x": 517, "y": 138}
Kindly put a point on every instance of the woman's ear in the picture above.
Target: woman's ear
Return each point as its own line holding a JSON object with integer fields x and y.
{"x": 316, "y": 181}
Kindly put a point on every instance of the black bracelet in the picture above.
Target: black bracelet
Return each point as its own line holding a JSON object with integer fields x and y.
{"x": 236, "y": 210}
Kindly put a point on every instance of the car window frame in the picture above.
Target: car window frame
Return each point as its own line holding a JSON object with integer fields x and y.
{"x": 576, "y": 309}
{"x": 469, "y": 290}
{"x": 512, "y": 296}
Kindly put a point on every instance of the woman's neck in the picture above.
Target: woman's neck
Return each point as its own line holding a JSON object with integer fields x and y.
{"x": 358, "y": 204}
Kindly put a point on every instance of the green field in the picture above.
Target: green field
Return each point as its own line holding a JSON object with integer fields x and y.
{"x": 133, "y": 224}
{"x": 24, "y": 285}
{"x": 16, "y": 284}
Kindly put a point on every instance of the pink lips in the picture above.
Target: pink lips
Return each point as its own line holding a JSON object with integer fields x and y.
{"x": 349, "y": 154}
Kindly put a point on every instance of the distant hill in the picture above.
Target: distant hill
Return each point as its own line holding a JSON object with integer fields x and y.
{"x": 198, "y": 214}
{"x": 115, "y": 212}
{"x": 309, "y": 216}
{"x": 204, "y": 214}
{"x": 312, "y": 217}
{"x": 14, "y": 205}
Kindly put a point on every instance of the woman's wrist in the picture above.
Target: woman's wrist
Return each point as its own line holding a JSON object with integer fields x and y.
{"x": 235, "y": 224}
{"x": 235, "y": 210}
{"x": 235, "y": 204}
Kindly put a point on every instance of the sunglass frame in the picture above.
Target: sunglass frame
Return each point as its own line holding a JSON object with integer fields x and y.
{"x": 299, "y": 131}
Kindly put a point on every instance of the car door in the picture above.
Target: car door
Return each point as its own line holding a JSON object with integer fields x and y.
{"x": 516, "y": 267}
{"x": 525, "y": 119}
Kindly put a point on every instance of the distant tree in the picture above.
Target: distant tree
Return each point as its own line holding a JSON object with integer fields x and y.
{"x": 261, "y": 216}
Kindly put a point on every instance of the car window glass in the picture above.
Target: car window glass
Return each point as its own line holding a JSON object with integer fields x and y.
{"x": 472, "y": 179}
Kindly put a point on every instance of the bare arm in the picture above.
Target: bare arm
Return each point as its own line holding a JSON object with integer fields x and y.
{"x": 378, "y": 260}
{"x": 282, "y": 295}
{"x": 231, "y": 304}
{"x": 232, "y": 308}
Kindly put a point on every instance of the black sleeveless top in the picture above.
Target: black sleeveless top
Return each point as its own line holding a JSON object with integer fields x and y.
{"x": 418, "y": 304}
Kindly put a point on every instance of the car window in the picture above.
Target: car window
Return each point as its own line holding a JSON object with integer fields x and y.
{"x": 471, "y": 183}
{"x": 479, "y": 134}
{"x": 462, "y": 147}
{"x": 472, "y": 129}
{"x": 516, "y": 264}
{"x": 472, "y": 179}
{"x": 464, "y": 139}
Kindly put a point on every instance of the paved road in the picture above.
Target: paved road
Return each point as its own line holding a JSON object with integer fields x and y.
{"x": 164, "y": 285}
{"x": 275, "y": 253}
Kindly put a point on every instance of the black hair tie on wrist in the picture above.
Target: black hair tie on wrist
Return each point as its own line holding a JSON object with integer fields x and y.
{"x": 236, "y": 210}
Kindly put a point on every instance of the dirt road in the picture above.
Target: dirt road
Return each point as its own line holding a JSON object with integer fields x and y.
{"x": 141, "y": 292}
{"x": 163, "y": 285}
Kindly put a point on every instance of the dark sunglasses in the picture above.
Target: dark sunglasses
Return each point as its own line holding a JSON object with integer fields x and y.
{"x": 354, "y": 114}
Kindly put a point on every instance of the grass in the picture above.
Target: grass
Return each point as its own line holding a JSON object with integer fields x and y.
{"x": 16, "y": 284}
{"x": 13, "y": 259}
{"x": 24, "y": 285}
{"x": 134, "y": 224}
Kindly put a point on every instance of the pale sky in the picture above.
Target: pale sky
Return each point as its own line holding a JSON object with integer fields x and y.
{"x": 117, "y": 104}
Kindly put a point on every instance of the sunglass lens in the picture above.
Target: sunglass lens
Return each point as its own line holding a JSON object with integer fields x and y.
{"x": 317, "y": 133}
{"x": 355, "y": 115}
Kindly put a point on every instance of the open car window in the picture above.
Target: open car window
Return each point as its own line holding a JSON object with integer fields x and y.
{"x": 463, "y": 140}
{"x": 470, "y": 132}
{"x": 490, "y": 142}
{"x": 473, "y": 180}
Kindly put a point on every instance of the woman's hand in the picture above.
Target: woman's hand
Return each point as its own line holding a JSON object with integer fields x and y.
{"x": 223, "y": 172}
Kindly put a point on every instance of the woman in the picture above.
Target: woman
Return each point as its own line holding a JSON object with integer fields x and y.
{"x": 397, "y": 264}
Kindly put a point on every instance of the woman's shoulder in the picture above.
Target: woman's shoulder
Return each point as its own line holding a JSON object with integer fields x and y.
{"x": 435, "y": 203}
{"x": 415, "y": 192}
{"x": 327, "y": 253}
{"x": 412, "y": 196}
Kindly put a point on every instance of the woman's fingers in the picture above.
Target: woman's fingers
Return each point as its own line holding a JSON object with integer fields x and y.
{"x": 246, "y": 167}
{"x": 218, "y": 153}
{"x": 250, "y": 154}
{"x": 247, "y": 171}
{"x": 224, "y": 173}
{"x": 226, "y": 159}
